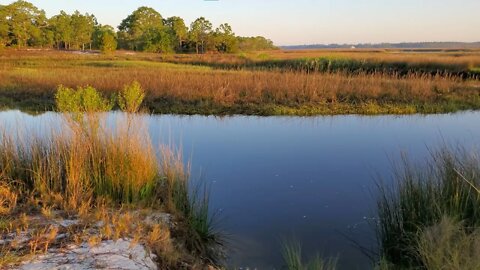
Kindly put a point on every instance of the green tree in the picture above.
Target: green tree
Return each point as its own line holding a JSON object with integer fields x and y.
{"x": 109, "y": 43}
{"x": 137, "y": 24}
{"x": 225, "y": 40}
{"x": 255, "y": 44}
{"x": 200, "y": 31}
{"x": 158, "y": 40}
{"x": 25, "y": 22}
{"x": 4, "y": 27}
{"x": 62, "y": 29}
{"x": 104, "y": 38}
{"x": 83, "y": 27}
{"x": 179, "y": 30}
{"x": 47, "y": 39}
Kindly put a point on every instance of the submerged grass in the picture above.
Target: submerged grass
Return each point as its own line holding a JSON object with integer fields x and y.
{"x": 293, "y": 258}
{"x": 413, "y": 231}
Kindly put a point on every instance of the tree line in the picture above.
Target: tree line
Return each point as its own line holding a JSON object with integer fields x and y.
{"x": 22, "y": 24}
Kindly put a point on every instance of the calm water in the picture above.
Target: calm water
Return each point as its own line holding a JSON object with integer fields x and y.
{"x": 311, "y": 178}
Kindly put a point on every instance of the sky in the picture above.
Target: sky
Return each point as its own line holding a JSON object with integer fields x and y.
{"x": 298, "y": 22}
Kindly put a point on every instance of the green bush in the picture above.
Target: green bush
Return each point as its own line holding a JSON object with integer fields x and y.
{"x": 131, "y": 98}
{"x": 82, "y": 100}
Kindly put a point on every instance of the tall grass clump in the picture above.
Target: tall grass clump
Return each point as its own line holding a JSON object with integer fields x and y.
{"x": 293, "y": 258}
{"x": 449, "y": 245}
{"x": 446, "y": 185}
{"x": 192, "y": 204}
{"x": 88, "y": 159}
{"x": 83, "y": 160}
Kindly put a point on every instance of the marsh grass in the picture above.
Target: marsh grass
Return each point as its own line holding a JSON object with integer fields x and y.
{"x": 422, "y": 195}
{"x": 293, "y": 258}
{"x": 204, "y": 235}
{"x": 29, "y": 80}
{"x": 450, "y": 245}
{"x": 87, "y": 161}
{"x": 349, "y": 66}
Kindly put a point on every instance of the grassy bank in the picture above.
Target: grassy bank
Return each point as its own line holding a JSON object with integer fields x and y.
{"x": 28, "y": 81}
{"x": 94, "y": 172}
{"x": 429, "y": 218}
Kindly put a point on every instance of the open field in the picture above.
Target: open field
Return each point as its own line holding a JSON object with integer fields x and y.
{"x": 246, "y": 84}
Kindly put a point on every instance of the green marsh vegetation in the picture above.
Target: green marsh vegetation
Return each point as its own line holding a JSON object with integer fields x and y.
{"x": 88, "y": 166}
{"x": 429, "y": 218}
{"x": 29, "y": 80}
{"x": 294, "y": 259}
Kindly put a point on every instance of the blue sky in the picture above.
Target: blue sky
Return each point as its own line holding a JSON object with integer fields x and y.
{"x": 306, "y": 21}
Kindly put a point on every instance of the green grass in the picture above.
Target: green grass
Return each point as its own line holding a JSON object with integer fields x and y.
{"x": 475, "y": 70}
{"x": 446, "y": 185}
{"x": 207, "y": 107}
{"x": 293, "y": 258}
{"x": 331, "y": 64}
{"x": 32, "y": 103}
{"x": 139, "y": 63}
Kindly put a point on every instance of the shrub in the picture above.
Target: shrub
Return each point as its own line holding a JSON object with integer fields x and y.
{"x": 82, "y": 100}
{"x": 131, "y": 97}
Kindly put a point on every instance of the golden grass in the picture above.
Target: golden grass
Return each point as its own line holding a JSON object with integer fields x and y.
{"x": 79, "y": 165}
{"x": 126, "y": 223}
{"x": 96, "y": 171}
{"x": 232, "y": 87}
{"x": 198, "y": 84}
{"x": 448, "y": 245}
{"x": 8, "y": 199}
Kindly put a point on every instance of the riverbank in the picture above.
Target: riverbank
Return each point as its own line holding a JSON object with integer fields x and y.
{"x": 183, "y": 86}
{"x": 88, "y": 187}
{"x": 312, "y": 168}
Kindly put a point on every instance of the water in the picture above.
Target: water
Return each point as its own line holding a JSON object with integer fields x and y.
{"x": 311, "y": 178}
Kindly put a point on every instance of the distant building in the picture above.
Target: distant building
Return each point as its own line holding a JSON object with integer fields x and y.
{"x": 353, "y": 47}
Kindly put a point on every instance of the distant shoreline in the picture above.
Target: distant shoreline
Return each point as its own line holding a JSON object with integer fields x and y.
{"x": 401, "y": 45}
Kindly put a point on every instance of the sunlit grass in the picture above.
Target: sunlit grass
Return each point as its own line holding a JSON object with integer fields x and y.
{"x": 29, "y": 79}
{"x": 86, "y": 161}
